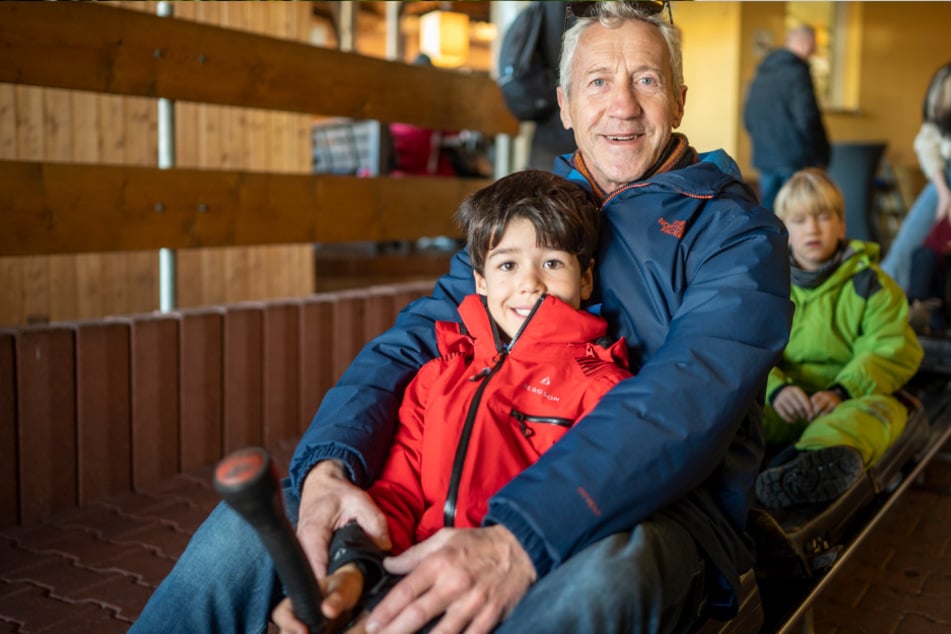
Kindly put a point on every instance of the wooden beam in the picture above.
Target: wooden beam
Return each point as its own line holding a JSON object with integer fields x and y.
{"x": 50, "y": 208}
{"x": 88, "y": 46}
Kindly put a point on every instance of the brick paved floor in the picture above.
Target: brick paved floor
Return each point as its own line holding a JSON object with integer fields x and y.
{"x": 93, "y": 569}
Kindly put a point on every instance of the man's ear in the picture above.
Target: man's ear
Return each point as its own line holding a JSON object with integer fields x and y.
{"x": 479, "y": 283}
{"x": 587, "y": 281}
{"x": 679, "y": 107}
{"x": 563, "y": 108}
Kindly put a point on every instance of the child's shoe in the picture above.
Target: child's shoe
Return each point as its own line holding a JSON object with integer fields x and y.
{"x": 810, "y": 477}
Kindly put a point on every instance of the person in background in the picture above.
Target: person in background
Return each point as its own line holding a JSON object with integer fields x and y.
{"x": 418, "y": 150}
{"x": 933, "y": 204}
{"x": 551, "y": 139}
{"x": 525, "y": 363}
{"x": 782, "y": 116}
{"x": 635, "y": 519}
{"x": 849, "y": 350}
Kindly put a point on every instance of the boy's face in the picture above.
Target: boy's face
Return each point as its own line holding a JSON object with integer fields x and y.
{"x": 518, "y": 271}
{"x": 814, "y": 238}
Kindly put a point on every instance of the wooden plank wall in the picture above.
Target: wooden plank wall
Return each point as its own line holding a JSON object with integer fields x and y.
{"x": 91, "y": 409}
{"x": 226, "y": 137}
{"x": 49, "y": 124}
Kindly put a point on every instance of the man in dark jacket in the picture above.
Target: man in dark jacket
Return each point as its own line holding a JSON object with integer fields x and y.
{"x": 634, "y": 520}
{"x": 782, "y": 116}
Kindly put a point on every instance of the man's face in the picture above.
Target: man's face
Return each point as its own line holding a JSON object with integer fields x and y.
{"x": 622, "y": 105}
{"x": 813, "y": 238}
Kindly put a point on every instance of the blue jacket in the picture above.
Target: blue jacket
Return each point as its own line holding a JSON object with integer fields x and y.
{"x": 782, "y": 116}
{"x": 694, "y": 274}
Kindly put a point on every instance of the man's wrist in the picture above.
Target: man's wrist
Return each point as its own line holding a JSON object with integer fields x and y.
{"x": 326, "y": 470}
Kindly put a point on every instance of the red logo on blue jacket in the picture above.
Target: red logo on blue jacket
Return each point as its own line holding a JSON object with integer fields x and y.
{"x": 675, "y": 228}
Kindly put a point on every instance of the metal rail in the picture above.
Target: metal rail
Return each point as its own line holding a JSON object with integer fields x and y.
{"x": 803, "y": 612}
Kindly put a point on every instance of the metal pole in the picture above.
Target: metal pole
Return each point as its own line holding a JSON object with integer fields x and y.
{"x": 166, "y": 160}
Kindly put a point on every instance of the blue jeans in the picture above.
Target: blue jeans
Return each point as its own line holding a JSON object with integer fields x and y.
{"x": 770, "y": 183}
{"x": 911, "y": 235}
{"x": 648, "y": 580}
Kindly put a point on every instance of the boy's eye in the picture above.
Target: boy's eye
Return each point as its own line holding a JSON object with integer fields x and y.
{"x": 554, "y": 264}
{"x": 506, "y": 266}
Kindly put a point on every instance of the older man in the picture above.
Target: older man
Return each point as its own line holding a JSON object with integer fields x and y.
{"x": 634, "y": 521}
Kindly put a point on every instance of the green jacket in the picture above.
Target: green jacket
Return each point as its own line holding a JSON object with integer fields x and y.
{"x": 850, "y": 328}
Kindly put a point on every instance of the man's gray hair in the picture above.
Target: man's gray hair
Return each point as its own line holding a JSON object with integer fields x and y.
{"x": 613, "y": 14}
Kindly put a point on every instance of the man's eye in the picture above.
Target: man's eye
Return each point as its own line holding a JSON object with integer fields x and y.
{"x": 597, "y": 82}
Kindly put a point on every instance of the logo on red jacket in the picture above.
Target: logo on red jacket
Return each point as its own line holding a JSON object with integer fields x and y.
{"x": 675, "y": 228}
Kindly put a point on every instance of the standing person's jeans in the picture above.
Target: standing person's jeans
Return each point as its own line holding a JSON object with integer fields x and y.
{"x": 911, "y": 235}
{"x": 649, "y": 580}
{"x": 770, "y": 183}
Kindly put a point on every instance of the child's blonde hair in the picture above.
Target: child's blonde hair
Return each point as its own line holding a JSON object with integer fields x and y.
{"x": 809, "y": 191}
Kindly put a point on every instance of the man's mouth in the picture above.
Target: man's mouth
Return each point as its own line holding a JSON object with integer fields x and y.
{"x": 621, "y": 138}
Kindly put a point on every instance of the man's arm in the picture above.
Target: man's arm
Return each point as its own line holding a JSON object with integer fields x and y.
{"x": 808, "y": 119}
{"x": 660, "y": 434}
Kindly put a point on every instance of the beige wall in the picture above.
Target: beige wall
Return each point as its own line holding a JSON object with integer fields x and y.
{"x": 900, "y": 45}
{"x": 711, "y": 45}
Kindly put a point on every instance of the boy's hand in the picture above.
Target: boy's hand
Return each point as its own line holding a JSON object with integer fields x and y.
{"x": 341, "y": 590}
{"x": 328, "y": 501}
{"x": 824, "y": 402}
{"x": 792, "y": 404}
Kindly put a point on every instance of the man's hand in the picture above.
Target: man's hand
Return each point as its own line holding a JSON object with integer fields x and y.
{"x": 824, "y": 402}
{"x": 474, "y": 575}
{"x": 792, "y": 403}
{"x": 328, "y": 501}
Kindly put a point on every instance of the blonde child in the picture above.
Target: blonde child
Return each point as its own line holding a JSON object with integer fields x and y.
{"x": 850, "y": 348}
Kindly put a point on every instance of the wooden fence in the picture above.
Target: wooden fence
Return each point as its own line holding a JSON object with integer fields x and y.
{"x": 82, "y": 214}
{"x": 100, "y": 408}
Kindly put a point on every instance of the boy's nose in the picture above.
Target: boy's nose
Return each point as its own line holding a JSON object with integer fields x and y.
{"x": 531, "y": 282}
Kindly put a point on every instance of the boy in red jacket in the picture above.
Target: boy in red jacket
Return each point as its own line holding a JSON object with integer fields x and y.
{"x": 511, "y": 379}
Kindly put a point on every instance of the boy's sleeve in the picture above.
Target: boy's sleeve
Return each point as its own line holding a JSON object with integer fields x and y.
{"x": 774, "y": 382}
{"x": 887, "y": 353}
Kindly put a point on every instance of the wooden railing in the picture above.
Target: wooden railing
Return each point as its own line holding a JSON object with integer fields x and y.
{"x": 53, "y": 208}
{"x": 100, "y": 408}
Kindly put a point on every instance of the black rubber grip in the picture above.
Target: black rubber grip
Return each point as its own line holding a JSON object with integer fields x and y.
{"x": 247, "y": 481}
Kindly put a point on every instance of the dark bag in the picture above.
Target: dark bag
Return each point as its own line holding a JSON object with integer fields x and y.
{"x": 527, "y": 82}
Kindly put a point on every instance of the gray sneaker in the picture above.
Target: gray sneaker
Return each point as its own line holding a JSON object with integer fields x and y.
{"x": 810, "y": 477}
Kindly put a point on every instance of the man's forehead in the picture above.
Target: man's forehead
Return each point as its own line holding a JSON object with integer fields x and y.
{"x": 634, "y": 41}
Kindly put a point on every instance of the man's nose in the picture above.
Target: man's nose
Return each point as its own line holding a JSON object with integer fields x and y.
{"x": 624, "y": 101}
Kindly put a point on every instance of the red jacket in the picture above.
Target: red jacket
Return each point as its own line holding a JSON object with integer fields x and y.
{"x": 475, "y": 417}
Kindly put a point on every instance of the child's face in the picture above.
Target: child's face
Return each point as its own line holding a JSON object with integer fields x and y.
{"x": 814, "y": 238}
{"x": 518, "y": 271}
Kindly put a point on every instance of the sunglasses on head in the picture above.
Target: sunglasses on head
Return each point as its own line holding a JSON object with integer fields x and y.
{"x": 645, "y": 8}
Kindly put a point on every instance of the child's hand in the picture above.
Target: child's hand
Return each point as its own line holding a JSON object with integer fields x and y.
{"x": 341, "y": 591}
{"x": 824, "y": 402}
{"x": 792, "y": 404}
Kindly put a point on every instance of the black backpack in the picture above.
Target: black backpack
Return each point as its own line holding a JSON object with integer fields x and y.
{"x": 525, "y": 78}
